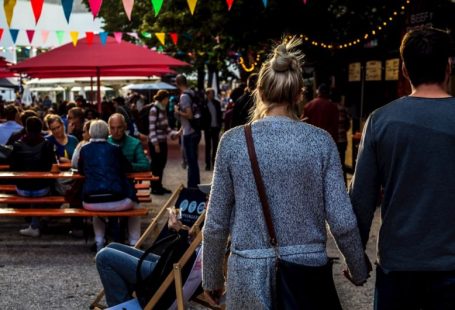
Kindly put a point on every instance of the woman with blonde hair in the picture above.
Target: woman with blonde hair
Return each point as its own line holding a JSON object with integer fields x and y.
{"x": 304, "y": 187}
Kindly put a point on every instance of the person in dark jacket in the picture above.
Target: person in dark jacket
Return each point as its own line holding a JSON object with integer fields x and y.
{"x": 32, "y": 153}
{"x": 106, "y": 187}
{"x": 213, "y": 120}
{"x": 242, "y": 106}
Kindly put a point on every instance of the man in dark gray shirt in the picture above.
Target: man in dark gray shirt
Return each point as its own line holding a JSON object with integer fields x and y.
{"x": 408, "y": 152}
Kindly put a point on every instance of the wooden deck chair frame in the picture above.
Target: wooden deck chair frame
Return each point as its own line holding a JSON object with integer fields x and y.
{"x": 151, "y": 232}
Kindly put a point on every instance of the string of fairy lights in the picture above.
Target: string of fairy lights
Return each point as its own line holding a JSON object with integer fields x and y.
{"x": 369, "y": 35}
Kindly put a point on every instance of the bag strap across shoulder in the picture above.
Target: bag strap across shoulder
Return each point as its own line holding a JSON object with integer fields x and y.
{"x": 260, "y": 184}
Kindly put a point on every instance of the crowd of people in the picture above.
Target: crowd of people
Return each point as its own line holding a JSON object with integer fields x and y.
{"x": 296, "y": 186}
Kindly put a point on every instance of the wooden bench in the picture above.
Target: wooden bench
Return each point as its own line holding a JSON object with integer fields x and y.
{"x": 70, "y": 212}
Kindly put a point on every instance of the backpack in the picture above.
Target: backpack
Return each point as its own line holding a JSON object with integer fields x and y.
{"x": 196, "y": 108}
{"x": 143, "y": 122}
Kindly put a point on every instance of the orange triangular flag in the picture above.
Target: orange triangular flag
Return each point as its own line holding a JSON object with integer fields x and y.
{"x": 192, "y": 5}
{"x": 8, "y": 6}
{"x": 74, "y": 36}
{"x": 174, "y": 37}
{"x": 161, "y": 37}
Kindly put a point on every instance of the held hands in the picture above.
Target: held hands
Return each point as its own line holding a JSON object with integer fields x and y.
{"x": 348, "y": 276}
{"x": 214, "y": 297}
{"x": 157, "y": 148}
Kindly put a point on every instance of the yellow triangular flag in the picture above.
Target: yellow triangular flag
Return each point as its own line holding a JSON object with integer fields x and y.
{"x": 74, "y": 36}
{"x": 161, "y": 37}
{"x": 8, "y": 6}
{"x": 192, "y": 5}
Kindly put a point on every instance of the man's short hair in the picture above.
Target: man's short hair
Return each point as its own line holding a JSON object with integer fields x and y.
{"x": 117, "y": 115}
{"x": 180, "y": 80}
{"x": 10, "y": 112}
{"x": 33, "y": 125}
{"x": 77, "y": 113}
{"x": 27, "y": 114}
{"x": 425, "y": 54}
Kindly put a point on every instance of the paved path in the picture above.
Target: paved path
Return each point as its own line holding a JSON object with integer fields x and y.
{"x": 57, "y": 271}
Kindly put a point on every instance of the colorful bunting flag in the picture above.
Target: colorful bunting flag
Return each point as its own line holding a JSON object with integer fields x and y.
{"x": 14, "y": 33}
{"x": 161, "y": 37}
{"x": 174, "y": 37}
{"x": 30, "y": 34}
{"x": 8, "y": 6}
{"x": 146, "y": 34}
{"x": 133, "y": 35}
{"x": 103, "y": 37}
{"x": 118, "y": 36}
{"x": 67, "y": 9}
{"x": 160, "y": 49}
{"x": 60, "y": 34}
{"x": 74, "y": 36}
{"x": 157, "y": 6}
{"x": 44, "y": 35}
{"x": 95, "y": 6}
{"x": 265, "y": 3}
{"x": 89, "y": 36}
{"x": 128, "y": 7}
{"x": 37, "y": 6}
{"x": 229, "y": 3}
{"x": 192, "y": 5}
{"x": 1, "y": 33}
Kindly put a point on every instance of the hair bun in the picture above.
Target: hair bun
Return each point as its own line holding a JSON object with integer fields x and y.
{"x": 283, "y": 60}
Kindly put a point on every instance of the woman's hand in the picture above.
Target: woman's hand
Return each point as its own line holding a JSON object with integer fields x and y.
{"x": 214, "y": 297}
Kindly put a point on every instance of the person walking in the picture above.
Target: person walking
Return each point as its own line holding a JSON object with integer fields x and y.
{"x": 408, "y": 150}
{"x": 214, "y": 117}
{"x": 290, "y": 152}
{"x": 191, "y": 136}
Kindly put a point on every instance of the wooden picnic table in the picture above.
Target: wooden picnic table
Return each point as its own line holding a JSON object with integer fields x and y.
{"x": 61, "y": 166}
{"x": 139, "y": 176}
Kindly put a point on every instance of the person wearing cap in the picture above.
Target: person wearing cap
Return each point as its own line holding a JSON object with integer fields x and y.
{"x": 158, "y": 131}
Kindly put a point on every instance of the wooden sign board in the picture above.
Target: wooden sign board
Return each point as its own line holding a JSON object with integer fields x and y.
{"x": 392, "y": 69}
{"x": 373, "y": 70}
{"x": 354, "y": 72}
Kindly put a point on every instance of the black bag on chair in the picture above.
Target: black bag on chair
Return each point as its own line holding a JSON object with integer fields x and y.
{"x": 170, "y": 249}
{"x": 297, "y": 286}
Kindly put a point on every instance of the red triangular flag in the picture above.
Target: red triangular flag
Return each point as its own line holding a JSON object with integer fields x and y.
{"x": 37, "y": 6}
{"x": 1, "y": 33}
{"x": 89, "y": 36}
{"x": 229, "y": 3}
{"x": 30, "y": 34}
{"x": 174, "y": 37}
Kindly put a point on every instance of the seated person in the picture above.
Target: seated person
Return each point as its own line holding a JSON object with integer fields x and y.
{"x": 117, "y": 263}
{"x": 64, "y": 144}
{"x": 105, "y": 186}
{"x": 32, "y": 153}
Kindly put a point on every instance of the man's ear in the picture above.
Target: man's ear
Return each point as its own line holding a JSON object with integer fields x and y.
{"x": 405, "y": 72}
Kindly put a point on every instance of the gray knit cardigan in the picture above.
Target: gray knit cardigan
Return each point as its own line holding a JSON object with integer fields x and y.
{"x": 302, "y": 173}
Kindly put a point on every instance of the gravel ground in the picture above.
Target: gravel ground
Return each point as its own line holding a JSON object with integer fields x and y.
{"x": 57, "y": 271}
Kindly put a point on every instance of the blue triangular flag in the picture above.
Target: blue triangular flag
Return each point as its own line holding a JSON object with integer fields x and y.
{"x": 67, "y": 8}
{"x": 14, "y": 33}
{"x": 265, "y": 3}
{"x": 103, "y": 37}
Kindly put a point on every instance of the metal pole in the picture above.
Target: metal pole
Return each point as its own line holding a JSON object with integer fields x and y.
{"x": 98, "y": 84}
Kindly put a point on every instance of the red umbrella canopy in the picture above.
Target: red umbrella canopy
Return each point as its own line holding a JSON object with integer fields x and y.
{"x": 102, "y": 72}
{"x": 94, "y": 55}
{"x": 5, "y": 67}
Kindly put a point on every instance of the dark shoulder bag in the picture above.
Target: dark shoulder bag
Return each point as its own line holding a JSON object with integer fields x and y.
{"x": 297, "y": 286}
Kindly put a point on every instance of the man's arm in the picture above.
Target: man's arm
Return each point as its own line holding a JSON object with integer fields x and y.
{"x": 365, "y": 185}
{"x": 140, "y": 162}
